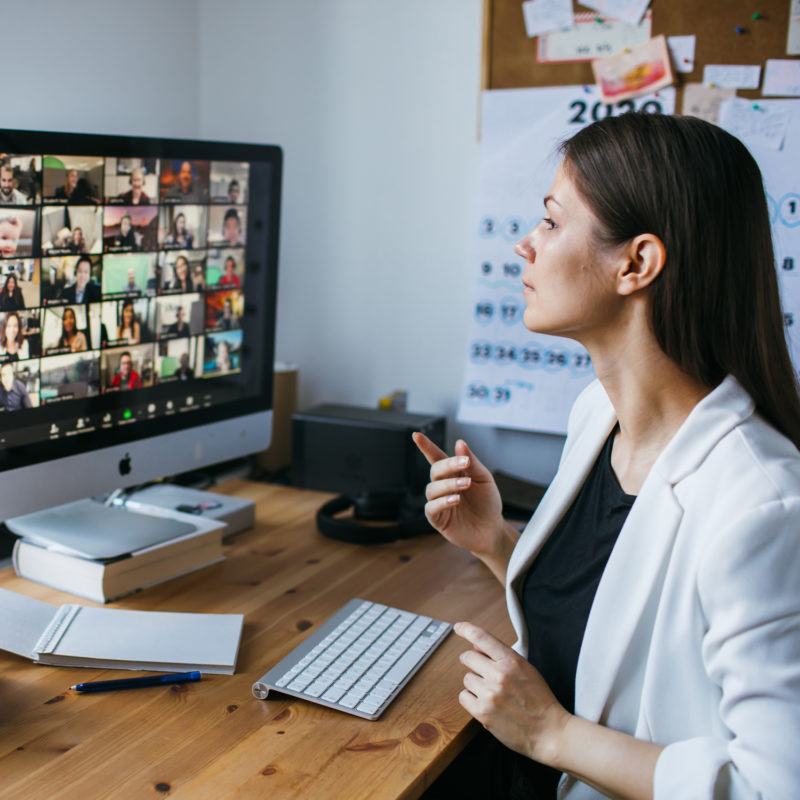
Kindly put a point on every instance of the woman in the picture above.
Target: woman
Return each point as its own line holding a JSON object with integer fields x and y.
{"x": 127, "y": 236}
{"x": 76, "y": 243}
{"x": 11, "y": 295}
{"x": 183, "y": 280}
{"x": 13, "y": 344}
{"x": 71, "y": 337}
{"x": 223, "y": 360}
{"x": 129, "y": 330}
{"x": 673, "y": 516}
{"x": 179, "y": 237}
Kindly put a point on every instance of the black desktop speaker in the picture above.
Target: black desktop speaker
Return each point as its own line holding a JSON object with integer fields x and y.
{"x": 366, "y": 454}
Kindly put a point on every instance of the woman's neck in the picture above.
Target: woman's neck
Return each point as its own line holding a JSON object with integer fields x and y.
{"x": 652, "y": 397}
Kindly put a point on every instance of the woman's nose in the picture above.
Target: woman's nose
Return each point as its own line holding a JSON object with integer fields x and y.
{"x": 524, "y": 247}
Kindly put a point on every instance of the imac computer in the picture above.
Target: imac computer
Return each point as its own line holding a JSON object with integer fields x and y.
{"x": 137, "y": 310}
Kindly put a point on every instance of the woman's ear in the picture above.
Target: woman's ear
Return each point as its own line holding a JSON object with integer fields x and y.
{"x": 644, "y": 256}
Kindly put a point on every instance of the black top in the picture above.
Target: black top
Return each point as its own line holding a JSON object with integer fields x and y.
{"x": 559, "y": 589}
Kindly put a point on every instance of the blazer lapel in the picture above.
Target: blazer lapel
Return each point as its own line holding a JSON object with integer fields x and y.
{"x": 572, "y": 472}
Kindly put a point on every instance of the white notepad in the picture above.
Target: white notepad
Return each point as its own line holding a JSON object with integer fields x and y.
{"x": 111, "y": 638}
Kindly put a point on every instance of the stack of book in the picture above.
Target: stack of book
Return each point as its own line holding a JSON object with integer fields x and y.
{"x": 122, "y": 565}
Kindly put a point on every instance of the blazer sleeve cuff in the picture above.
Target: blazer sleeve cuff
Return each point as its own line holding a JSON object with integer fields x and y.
{"x": 689, "y": 768}
{"x": 700, "y": 768}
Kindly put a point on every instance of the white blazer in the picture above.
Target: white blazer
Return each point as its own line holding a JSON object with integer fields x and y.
{"x": 693, "y": 639}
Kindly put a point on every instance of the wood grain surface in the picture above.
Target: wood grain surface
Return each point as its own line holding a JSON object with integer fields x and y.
{"x": 213, "y": 739}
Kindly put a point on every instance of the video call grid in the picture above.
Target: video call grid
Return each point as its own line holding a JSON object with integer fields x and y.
{"x": 142, "y": 283}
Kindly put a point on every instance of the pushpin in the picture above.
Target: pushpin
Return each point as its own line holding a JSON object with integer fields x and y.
{"x": 756, "y": 107}
{"x": 756, "y": 15}
{"x": 739, "y": 29}
{"x": 597, "y": 19}
{"x": 711, "y": 84}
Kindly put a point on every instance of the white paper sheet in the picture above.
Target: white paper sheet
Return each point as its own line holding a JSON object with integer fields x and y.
{"x": 732, "y": 76}
{"x": 542, "y": 16}
{"x": 793, "y": 37}
{"x": 682, "y": 48}
{"x": 757, "y": 124}
{"x": 515, "y": 378}
{"x": 782, "y": 77}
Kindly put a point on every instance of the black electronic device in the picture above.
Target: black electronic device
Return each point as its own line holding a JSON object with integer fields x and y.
{"x": 368, "y": 455}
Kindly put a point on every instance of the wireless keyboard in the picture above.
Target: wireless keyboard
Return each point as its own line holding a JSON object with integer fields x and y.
{"x": 358, "y": 660}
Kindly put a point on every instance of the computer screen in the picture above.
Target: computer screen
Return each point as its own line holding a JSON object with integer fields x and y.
{"x": 137, "y": 309}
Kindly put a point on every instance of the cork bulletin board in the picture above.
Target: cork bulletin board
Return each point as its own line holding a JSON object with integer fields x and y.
{"x": 509, "y": 55}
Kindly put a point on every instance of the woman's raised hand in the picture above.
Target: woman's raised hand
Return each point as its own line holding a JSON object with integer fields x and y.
{"x": 464, "y": 503}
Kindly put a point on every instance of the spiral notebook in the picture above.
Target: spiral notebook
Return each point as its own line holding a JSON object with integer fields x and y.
{"x": 114, "y": 638}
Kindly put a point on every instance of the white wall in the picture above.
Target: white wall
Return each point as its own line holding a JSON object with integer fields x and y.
{"x": 94, "y": 66}
{"x": 376, "y": 105}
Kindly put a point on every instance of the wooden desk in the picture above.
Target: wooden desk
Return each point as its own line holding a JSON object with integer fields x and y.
{"x": 213, "y": 739}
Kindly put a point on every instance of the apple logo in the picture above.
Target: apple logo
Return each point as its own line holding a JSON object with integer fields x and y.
{"x": 125, "y": 465}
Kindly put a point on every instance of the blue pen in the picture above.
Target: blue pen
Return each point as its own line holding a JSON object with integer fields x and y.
{"x": 136, "y": 683}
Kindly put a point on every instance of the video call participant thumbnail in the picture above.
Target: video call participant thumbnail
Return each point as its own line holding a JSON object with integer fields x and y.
{"x": 230, "y": 277}
{"x": 178, "y": 359}
{"x": 130, "y": 228}
{"x": 65, "y": 329}
{"x": 128, "y": 274}
{"x": 126, "y": 377}
{"x": 229, "y": 182}
{"x": 226, "y": 226}
{"x": 126, "y": 368}
{"x": 183, "y": 227}
{"x": 23, "y": 181}
{"x": 184, "y": 181}
{"x": 83, "y": 289}
{"x": 14, "y": 394}
{"x": 10, "y": 195}
{"x": 131, "y": 181}
{"x": 136, "y": 195}
{"x": 76, "y": 229}
{"x": 14, "y": 345}
{"x": 224, "y": 310}
{"x": 129, "y": 329}
{"x": 222, "y": 352}
{"x": 25, "y": 290}
{"x": 17, "y": 232}
{"x": 179, "y": 316}
{"x": 182, "y": 275}
{"x": 127, "y": 322}
{"x": 11, "y": 298}
{"x": 71, "y": 180}
{"x": 70, "y": 376}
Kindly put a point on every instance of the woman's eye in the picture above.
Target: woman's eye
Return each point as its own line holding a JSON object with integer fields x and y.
{"x": 549, "y": 222}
